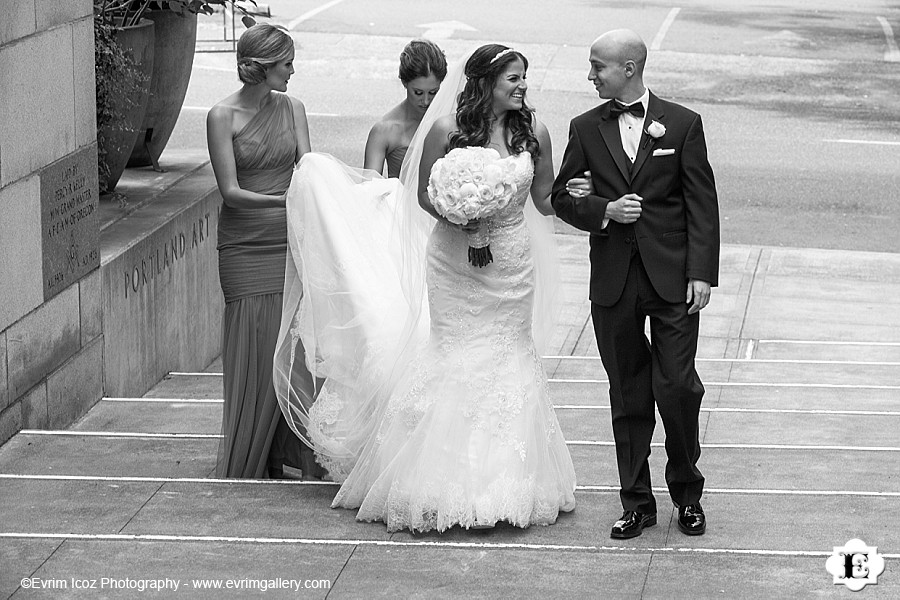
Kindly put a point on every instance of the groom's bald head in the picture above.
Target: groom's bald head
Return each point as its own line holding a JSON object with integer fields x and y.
{"x": 621, "y": 46}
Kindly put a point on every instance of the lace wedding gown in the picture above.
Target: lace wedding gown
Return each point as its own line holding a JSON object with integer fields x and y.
{"x": 468, "y": 435}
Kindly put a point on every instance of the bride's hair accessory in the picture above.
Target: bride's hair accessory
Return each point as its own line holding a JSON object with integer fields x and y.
{"x": 500, "y": 55}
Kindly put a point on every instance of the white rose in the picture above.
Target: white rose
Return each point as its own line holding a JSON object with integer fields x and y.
{"x": 486, "y": 192}
{"x": 656, "y": 130}
{"x": 493, "y": 175}
{"x": 468, "y": 189}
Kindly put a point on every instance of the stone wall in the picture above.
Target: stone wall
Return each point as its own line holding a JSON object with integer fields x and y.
{"x": 51, "y": 339}
{"x": 160, "y": 295}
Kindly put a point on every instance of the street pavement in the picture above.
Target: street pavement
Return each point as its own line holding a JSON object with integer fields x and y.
{"x": 799, "y": 429}
{"x": 799, "y": 100}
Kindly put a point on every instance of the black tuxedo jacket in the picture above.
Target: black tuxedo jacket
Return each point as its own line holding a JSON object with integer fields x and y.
{"x": 677, "y": 233}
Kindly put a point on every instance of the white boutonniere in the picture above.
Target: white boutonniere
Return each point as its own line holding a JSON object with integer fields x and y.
{"x": 656, "y": 130}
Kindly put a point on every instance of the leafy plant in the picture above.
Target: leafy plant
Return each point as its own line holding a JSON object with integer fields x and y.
{"x": 124, "y": 13}
{"x": 118, "y": 82}
{"x": 118, "y": 78}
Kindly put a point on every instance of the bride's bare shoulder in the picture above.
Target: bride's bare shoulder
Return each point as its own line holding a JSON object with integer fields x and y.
{"x": 444, "y": 125}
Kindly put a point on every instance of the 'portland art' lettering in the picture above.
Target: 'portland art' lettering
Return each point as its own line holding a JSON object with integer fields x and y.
{"x": 160, "y": 259}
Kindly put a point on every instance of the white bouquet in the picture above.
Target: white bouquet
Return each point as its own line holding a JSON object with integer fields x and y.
{"x": 469, "y": 184}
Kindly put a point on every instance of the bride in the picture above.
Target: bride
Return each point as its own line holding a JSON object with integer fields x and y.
{"x": 430, "y": 403}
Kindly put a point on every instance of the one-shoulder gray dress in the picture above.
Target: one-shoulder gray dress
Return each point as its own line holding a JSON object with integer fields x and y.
{"x": 252, "y": 249}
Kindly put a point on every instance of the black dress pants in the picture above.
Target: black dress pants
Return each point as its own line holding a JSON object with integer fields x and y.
{"x": 645, "y": 373}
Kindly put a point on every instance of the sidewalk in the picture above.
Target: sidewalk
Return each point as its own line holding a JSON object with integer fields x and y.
{"x": 800, "y": 354}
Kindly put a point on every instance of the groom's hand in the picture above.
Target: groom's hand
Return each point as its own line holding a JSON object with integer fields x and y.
{"x": 697, "y": 295}
{"x": 625, "y": 210}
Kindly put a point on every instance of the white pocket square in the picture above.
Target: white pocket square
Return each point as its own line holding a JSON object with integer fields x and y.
{"x": 664, "y": 152}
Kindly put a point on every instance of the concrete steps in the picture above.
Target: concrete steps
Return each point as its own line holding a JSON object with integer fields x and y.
{"x": 800, "y": 449}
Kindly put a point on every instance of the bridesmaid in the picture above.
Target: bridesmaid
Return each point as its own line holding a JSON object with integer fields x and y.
{"x": 255, "y": 137}
{"x": 422, "y": 69}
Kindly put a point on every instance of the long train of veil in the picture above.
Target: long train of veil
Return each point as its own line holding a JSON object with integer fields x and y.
{"x": 355, "y": 309}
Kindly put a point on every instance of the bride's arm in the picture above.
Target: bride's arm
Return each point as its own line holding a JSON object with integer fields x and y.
{"x": 434, "y": 147}
{"x": 542, "y": 183}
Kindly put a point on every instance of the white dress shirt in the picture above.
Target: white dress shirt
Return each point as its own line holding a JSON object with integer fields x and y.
{"x": 630, "y": 127}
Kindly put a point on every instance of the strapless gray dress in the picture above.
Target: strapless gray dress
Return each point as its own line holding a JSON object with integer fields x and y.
{"x": 394, "y": 160}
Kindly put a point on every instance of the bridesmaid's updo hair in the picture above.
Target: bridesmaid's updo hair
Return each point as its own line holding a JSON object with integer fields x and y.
{"x": 474, "y": 114}
{"x": 260, "y": 47}
{"x": 421, "y": 58}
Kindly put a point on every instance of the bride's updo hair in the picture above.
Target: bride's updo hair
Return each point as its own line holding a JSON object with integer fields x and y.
{"x": 421, "y": 58}
{"x": 260, "y": 47}
{"x": 474, "y": 114}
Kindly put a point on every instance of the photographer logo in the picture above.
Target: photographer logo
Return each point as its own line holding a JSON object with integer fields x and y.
{"x": 855, "y": 565}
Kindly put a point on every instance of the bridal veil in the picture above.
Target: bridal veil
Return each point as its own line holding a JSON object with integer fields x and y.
{"x": 355, "y": 309}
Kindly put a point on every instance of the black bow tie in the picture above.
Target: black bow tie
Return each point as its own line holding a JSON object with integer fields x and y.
{"x": 616, "y": 108}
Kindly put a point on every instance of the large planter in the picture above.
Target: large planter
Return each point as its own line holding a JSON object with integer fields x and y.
{"x": 118, "y": 136}
{"x": 175, "y": 39}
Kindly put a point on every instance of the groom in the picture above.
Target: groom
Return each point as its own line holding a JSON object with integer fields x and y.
{"x": 654, "y": 237}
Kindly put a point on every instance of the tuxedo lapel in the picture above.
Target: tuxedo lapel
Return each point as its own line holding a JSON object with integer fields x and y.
{"x": 654, "y": 113}
{"x": 609, "y": 130}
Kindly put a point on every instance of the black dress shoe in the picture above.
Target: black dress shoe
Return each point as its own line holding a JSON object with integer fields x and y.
{"x": 691, "y": 520}
{"x": 632, "y": 524}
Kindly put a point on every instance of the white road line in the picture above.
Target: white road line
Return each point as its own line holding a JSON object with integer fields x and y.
{"x": 193, "y": 374}
{"x": 778, "y": 411}
{"x": 167, "y": 400}
{"x": 840, "y": 386}
{"x": 137, "y": 435}
{"x": 871, "y": 142}
{"x": 120, "y": 434}
{"x": 732, "y": 360}
{"x": 797, "y": 411}
{"x": 807, "y": 411}
{"x": 892, "y": 53}
{"x": 232, "y": 70}
{"x": 301, "y": 483}
{"x": 792, "y": 361}
{"x": 753, "y": 492}
{"x": 310, "y": 14}
{"x": 664, "y": 29}
{"x": 124, "y": 537}
{"x": 137, "y": 479}
{"x": 749, "y": 353}
{"x": 830, "y": 342}
{"x": 755, "y": 446}
{"x": 802, "y": 361}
